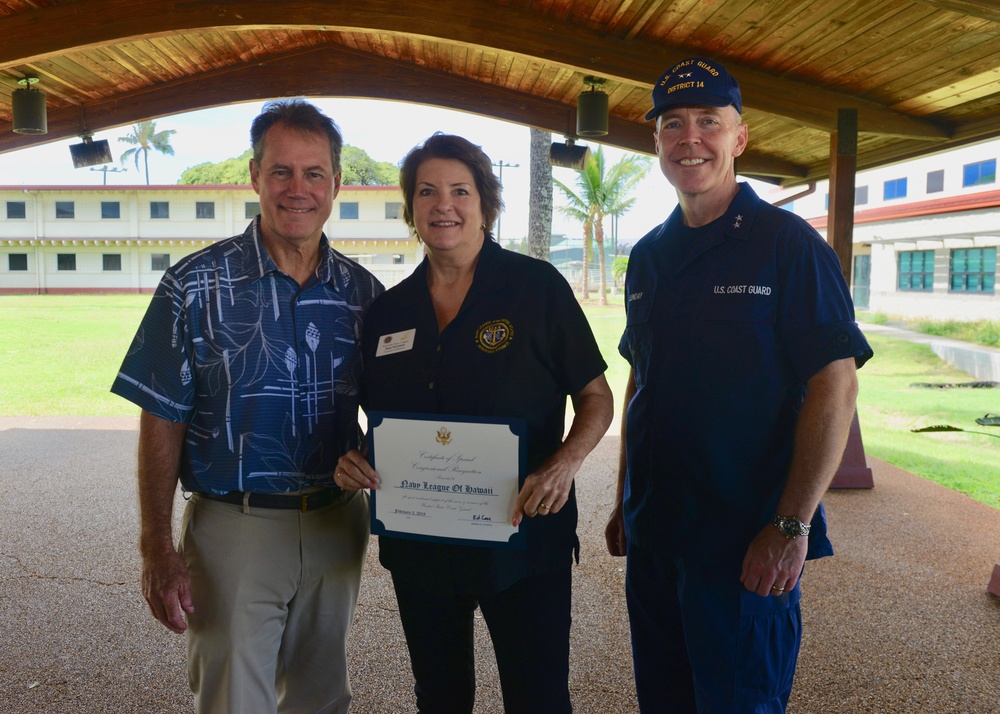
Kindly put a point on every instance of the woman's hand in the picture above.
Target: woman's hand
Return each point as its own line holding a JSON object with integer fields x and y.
{"x": 546, "y": 490}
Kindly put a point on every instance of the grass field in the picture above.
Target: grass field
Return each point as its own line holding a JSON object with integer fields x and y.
{"x": 59, "y": 355}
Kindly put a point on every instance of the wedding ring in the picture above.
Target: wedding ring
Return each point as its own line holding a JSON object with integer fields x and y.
{"x": 777, "y": 590}
{"x": 541, "y": 506}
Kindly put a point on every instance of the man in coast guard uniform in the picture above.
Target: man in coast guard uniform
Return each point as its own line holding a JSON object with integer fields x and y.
{"x": 743, "y": 350}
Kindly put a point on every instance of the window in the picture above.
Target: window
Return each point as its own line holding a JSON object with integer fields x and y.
{"x": 979, "y": 173}
{"x": 160, "y": 261}
{"x": 826, "y": 202}
{"x": 159, "y": 209}
{"x": 973, "y": 270}
{"x": 860, "y": 195}
{"x": 393, "y": 210}
{"x": 251, "y": 209}
{"x": 894, "y": 189}
{"x": 111, "y": 209}
{"x": 935, "y": 181}
{"x": 204, "y": 209}
{"x": 349, "y": 211}
{"x": 65, "y": 209}
{"x": 66, "y": 261}
{"x": 17, "y": 261}
{"x": 16, "y": 209}
{"x": 916, "y": 270}
{"x": 112, "y": 261}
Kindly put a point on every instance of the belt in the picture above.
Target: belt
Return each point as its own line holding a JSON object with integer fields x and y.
{"x": 302, "y": 501}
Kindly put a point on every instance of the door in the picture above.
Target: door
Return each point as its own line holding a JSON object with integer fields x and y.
{"x": 862, "y": 280}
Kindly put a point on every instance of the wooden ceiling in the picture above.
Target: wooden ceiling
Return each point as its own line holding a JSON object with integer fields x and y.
{"x": 924, "y": 75}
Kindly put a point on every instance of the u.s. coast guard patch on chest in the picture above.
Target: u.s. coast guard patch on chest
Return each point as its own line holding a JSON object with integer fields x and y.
{"x": 494, "y": 335}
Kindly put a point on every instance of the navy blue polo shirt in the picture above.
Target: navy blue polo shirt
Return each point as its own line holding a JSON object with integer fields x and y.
{"x": 265, "y": 373}
{"x": 725, "y": 325}
{"x": 519, "y": 345}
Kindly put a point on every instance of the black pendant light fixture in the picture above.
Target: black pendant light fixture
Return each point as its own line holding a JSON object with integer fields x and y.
{"x": 28, "y": 105}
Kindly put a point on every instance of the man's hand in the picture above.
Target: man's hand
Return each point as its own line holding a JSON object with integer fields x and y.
{"x": 166, "y": 585}
{"x": 353, "y": 472}
{"x": 773, "y": 563}
{"x": 614, "y": 533}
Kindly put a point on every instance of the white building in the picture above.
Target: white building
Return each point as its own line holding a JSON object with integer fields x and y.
{"x": 926, "y": 234}
{"x": 113, "y": 239}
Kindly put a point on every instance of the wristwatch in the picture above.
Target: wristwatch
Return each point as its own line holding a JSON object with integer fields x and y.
{"x": 790, "y": 526}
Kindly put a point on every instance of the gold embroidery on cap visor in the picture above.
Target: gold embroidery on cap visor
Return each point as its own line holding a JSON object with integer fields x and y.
{"x": 494, "y": 335}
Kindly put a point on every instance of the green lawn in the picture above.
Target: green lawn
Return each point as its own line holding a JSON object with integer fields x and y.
{"x": 889, "y": 407}
{"x": 59, "y": 355}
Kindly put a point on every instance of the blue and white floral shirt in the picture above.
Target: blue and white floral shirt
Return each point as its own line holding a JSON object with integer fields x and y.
{"x": 264, "y": 372}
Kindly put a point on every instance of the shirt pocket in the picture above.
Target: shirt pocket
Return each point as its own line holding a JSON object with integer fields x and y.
{"x": 636, "y": 344}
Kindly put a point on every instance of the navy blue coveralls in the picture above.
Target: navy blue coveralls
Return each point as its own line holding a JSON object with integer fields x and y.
{"x": 725, "y": 325}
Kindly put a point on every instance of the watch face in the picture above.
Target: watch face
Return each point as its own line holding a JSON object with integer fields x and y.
{"x": 791, "y": 527}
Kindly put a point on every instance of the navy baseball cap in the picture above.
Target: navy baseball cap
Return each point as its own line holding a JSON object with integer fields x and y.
{"x": 696, "y": 80}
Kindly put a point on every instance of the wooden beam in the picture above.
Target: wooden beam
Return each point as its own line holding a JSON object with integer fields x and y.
{"x": 335, "y": 71}
{"x": 46, "y": 32}
{"x": 984, "y": 9}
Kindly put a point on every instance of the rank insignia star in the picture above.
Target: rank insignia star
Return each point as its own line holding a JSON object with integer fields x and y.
{"x": 682, "y": 76}
{"x": 739, "y": 220}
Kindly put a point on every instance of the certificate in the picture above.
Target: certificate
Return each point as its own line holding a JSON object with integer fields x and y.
{"x": 446, "y": 478}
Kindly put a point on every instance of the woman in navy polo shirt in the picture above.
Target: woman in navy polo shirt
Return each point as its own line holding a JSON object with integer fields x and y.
{"x": 495, "y": 334}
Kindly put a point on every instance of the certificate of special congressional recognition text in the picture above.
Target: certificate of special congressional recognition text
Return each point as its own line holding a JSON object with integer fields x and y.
{"x": 446, "y": 478}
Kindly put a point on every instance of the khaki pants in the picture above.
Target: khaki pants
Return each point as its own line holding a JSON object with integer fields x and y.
{"x": 274, "y": 593}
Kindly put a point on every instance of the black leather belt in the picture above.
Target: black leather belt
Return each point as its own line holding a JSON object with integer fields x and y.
{"x": 302, "y": 501}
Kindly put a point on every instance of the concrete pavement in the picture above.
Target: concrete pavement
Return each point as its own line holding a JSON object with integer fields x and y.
{"x": 899, "y": 621}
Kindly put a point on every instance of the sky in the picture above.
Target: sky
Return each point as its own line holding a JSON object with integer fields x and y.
{"x": 386, "y": 130}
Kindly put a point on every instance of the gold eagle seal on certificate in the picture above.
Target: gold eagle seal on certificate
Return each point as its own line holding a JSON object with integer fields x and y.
{"x": 494, "y": 335}
{"x": 443, "y": 436}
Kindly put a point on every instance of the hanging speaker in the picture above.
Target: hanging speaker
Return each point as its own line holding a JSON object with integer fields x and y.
{"x": 568, "y": 155}
{"x": 90, "y": 153}
{"x": 28, "y": 108}
{"x": 592, "y": 114}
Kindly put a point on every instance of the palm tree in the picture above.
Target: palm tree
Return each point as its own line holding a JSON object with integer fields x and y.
{"x": 540, "y": 196}
{"x": 602, "y": 191}
{"x": 144, "y": 138}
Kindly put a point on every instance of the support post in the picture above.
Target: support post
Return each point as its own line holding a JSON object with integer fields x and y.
{"x": 994, "y": 586}
{"x": 843, "y": 167}
{"x": 853, "y": 471}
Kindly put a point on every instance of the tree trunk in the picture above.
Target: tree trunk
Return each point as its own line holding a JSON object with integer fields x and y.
{"x": 588, "y": 227}
{"x": 540, "y": 196}
{"x": 602, "y": 298}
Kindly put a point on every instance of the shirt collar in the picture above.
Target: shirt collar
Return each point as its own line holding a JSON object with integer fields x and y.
{"x": 488, "y": 278}
{"x": 737, "y": 221}
{"x": 734, "y": 223}
{"x": 261, "y": 263}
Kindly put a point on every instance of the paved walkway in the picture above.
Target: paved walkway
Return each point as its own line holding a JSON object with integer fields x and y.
{"x": 978, "y": 361}
{"x": 900, "y": 621}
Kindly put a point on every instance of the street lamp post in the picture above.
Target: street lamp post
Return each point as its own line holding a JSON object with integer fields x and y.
{"x": 104, "y": 169}
{"x": 500, "y": 164}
